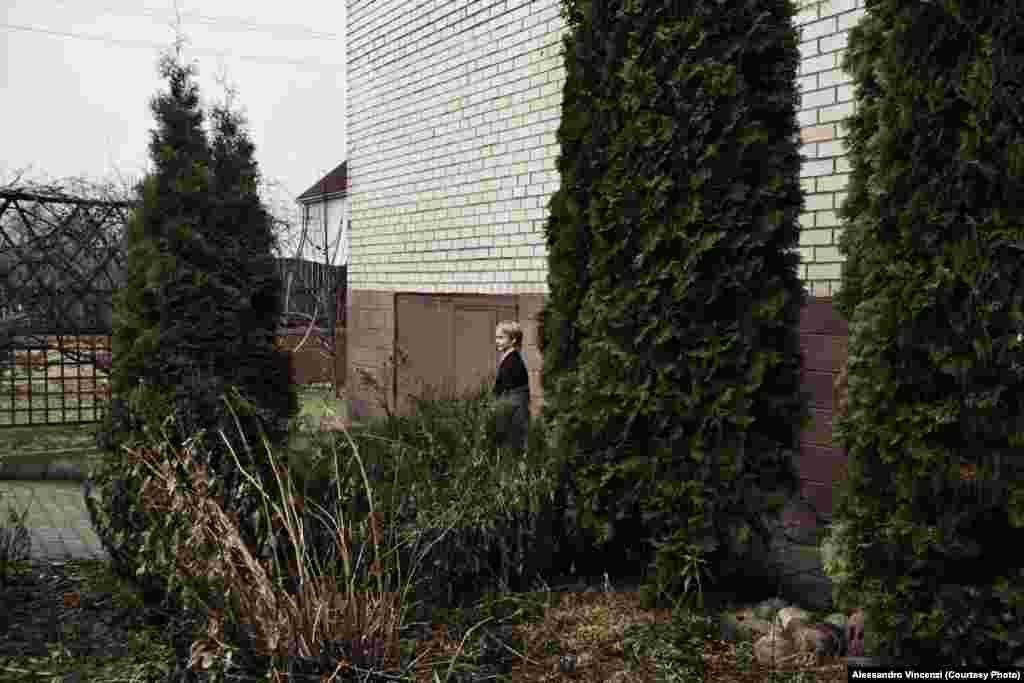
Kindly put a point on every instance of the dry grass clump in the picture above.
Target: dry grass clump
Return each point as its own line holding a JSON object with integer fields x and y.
{"x": 337, "y": 603}
{"x": 284, "y": 624}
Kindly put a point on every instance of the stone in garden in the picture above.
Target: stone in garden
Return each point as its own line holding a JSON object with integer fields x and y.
{"x": 855, "y": 634}
{"x": 790, "y": 617}
{"x": 791, "y": 633}
{"x": 824, "y": 640}
{"x": 773, "y": 647}
{"x": 767, "y": 609}
{"x": 743, "y": 624}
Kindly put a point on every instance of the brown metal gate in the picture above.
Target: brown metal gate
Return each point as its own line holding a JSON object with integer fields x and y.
{"x": 447, "y": 341}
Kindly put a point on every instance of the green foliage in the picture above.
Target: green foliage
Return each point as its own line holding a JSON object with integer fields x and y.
{"x": 439, "y": 469}
{"x": 196, "y": 317}
{"x": 676, "y": 649}
{"x": 15, "y": 542}
{"x": 671, "y": 359}
{"x": 932, "y": 290}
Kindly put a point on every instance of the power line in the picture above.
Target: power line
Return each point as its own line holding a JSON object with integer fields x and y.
{"x": 308, "y": 64}
{"x": 227, "y": 22}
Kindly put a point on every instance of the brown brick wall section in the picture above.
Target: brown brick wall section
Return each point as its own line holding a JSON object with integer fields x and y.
{"x": 370, "y": 341}
{"x": 823, "y": 340}
{"x": 530, "y": 306}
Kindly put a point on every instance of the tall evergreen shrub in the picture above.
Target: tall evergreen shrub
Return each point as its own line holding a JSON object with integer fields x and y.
{"x": 195, "y": 319}
{"x": 671, "y": 358}
{"x": 569, "y": 244}
{"x": 933, "y": 503}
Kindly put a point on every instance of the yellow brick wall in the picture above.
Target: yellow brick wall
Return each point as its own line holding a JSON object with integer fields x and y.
{"x": 453, "y": 109}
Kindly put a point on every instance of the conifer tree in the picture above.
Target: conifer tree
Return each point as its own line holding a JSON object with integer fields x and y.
{"x": 671, "y": 357}
{"x": 933, "y": 503}
{"x": 246, "y": 355}
{"x": 194, "y": 322}
{"x": 173, "y": 201}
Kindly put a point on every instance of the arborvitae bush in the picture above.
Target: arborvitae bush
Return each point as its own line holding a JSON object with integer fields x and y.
{"x": 196, "y": 317}
{"x": 934, "y": 500}
{"x": 243, "y": 299}
{"x": 671, "y": 357}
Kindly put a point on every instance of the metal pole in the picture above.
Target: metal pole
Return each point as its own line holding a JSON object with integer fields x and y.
{"x": 322, "y": 285}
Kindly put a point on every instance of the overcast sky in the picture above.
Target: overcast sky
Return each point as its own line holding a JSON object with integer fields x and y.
{"x": 76, "y": 79}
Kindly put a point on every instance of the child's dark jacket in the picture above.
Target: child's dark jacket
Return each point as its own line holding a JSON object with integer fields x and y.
{"x": 512, "y": 391}
{"x": 511, "y": 375}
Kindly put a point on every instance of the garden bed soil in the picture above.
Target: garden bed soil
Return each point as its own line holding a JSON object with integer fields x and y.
{"x": 72, "y": 622}
{"x": 50, "y": 620}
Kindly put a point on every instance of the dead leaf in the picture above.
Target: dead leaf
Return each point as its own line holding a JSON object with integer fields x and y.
{"x": 72, "y": 600}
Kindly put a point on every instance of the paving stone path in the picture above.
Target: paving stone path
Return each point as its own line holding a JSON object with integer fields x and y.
{"x": 57, "y": 520}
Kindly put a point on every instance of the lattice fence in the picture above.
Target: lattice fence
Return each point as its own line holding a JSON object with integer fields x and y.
{"x": 61, "y": 260}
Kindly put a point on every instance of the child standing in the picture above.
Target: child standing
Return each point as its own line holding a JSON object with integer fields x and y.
{"x": 512, "y": 387}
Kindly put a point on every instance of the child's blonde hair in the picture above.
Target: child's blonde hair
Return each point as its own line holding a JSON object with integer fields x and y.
{"x": 512, "y": 329}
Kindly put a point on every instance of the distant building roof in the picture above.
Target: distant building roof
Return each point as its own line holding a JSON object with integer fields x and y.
{"x": 333, "y": 184}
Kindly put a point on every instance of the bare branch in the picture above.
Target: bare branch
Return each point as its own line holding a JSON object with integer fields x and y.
{"x": 179, "y": 37}
{"x": 222, "y": 79}
{"x": 18, "y": 175}
{"x": 329, "y": 260}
